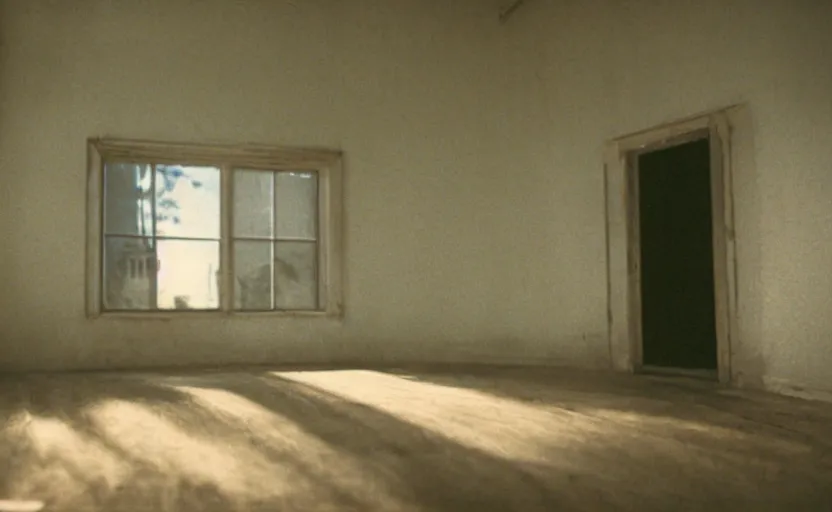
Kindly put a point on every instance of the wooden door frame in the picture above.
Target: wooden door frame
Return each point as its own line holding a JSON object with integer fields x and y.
{"x": 622, "y": 226}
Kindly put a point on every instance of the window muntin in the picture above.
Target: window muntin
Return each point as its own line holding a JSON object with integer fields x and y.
{"x": 275, "y": 241}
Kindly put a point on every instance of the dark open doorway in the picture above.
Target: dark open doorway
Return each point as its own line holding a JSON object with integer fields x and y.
{"x": 678, "y": 315}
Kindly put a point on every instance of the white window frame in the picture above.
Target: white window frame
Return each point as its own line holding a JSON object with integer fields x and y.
{"x": 327, "y": 163}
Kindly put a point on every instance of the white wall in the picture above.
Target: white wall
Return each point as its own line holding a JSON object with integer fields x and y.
{"x": 608, "y": 68}
{"x": 411, "y": 90}
{"x": 474, "y": 191}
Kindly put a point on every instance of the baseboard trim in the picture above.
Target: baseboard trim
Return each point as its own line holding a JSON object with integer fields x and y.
{"x": 711, "y": 375}
{"x": 784, "y": 387}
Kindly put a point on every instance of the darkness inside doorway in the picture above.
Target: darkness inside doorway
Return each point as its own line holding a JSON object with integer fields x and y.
{"x": 677, "y": 274}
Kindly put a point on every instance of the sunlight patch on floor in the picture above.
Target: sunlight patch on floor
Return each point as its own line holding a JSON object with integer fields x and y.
{"x": 306, "y": 458}
{"x": 154, "y": 439}
{"x": 61, "y": 456}
{"x": 501, "y": 426}
{"x": 20, "y": 506}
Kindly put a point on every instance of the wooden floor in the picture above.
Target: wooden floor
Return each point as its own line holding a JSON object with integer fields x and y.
{"x": 419, "y": 440}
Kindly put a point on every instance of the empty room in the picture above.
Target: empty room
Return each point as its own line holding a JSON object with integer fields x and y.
{"x": 415, "y": 255}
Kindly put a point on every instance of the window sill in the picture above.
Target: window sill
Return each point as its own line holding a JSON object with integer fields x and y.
{"x": 210, "y": 315}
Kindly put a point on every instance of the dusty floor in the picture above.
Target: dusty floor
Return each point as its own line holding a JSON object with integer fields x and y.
{"x": 475, "y": 439}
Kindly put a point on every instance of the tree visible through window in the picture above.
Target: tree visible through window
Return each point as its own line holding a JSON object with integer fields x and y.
{"x": 161, "y": 237}
{"x": 226, "y": 236}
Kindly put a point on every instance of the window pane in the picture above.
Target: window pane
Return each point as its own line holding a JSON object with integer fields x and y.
{"x": 127, "y": 199}
{"x": 253, "y": 276}
{"x": 187, "y": 201}
{"x": 296, "y": 275}
{"x": 253, "y": 204}
{"x": 296, "y": 205}
{"x": 188, "y": 275}
{"x": 128, "y": 280}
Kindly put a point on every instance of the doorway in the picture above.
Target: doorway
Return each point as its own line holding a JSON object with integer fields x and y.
{"x": 676, "y": 257}
{"x": 681, "y": 161}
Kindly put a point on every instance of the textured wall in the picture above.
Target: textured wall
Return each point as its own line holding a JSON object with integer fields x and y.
{"x": 608, "y": 68}
{"x": 474, "y": 191}
{"x": 413, "y": 91}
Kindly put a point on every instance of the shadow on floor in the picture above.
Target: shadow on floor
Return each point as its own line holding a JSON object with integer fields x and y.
{"x": 367, "y": 440}
{"x": 112, "y": 443}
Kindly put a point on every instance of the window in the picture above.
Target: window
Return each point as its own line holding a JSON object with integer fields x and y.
{"x": 222, "y": 229}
